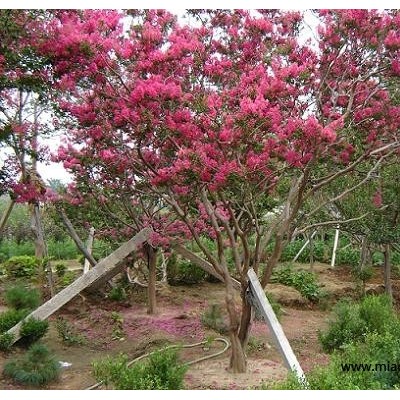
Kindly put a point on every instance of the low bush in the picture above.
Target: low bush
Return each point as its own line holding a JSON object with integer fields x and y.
{"x": 6, "y": 341}
{"x": 36, "y": 368}
{"x": 61, "y": 269}
{"x": 68, "y": 334}
{"x": 321, "y": 251}
{"x": 304, "y": 281}
{"x": 67, "y": 279}
{"x": 10, "y": 318}
{"x": 348, "y": 256}
{"x": 32, "y": 330}
{"x": 20, "y": 297}
{"x": 65, "y": 250}
{"x": 161, "y": 371}
{"x": 380, "y": 352}
{"x": 117, "y": 293}
{"x": 181, "y": 271}
{"x": 21, "y": 266}
{"x": 10, "y": 248}
{"x": 352, "y": 321}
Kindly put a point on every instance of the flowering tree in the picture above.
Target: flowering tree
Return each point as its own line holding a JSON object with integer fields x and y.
{"x": 223, "y": 122}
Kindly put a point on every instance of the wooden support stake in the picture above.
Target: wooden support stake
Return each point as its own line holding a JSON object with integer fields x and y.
{"x": 89, "y": 246}
{"x": 275, "y": 327}
{"x": 335, "y": 244}
{"x": 76, "y": 238}
{"x": 104, "y": 267}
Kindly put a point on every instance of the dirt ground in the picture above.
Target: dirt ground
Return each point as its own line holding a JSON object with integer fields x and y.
{"x": 111, "y": 328}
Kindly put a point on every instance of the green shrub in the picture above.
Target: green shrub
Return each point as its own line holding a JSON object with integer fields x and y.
{"x": 6, "y": 341}
{"x": 117, "y": 293}
{"x": 304, "y": 281}
{"x": 32, "y": 330}
{"x": 348, "y": 256}
{"x": 396, "y": 258}
{"x": 377, "y": 350}
{"x": 10, "y": 318}
{"x": 67, "y": 279}
{"x": 61, "y": 269}
{"x": 20, "y": 297}
{"x": 321, "y": 251}
{"x": 161, "y": 371}
{"x": 10, "y": 248}
{"x": 65, "y": 250}
{"x": 364, "y": 274}
{"x": 68, "y": 334}
{"x": 212, "y": 318}
{"x": 377, "y": 258}
{"x": 181, "y": 271}
{"x": 21, "y": 266}
{"x": 36, "y": 368}
{"x": 3, "y": 257}
{"x": 353, "y": 321}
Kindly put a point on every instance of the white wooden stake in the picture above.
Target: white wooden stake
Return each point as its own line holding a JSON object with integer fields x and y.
{"x": 89, "y": 246}
{"x": 275, "y": 327}
{"x": 335, "y": 244}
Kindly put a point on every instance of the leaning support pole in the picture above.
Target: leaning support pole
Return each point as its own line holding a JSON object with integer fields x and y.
{"x": 6, "y": 214}
{"x": 76, "y": 238}
{"x": 304, "y": 246}
{"x": 261, "y": 302}
{"x": 102, "y": 268}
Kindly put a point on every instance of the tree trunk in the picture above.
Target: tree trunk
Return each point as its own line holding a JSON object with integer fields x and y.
{"x": 245, "y": 321}
{"x": 41, "y": 248}
{"x": 364, "y": 259}
{"x": 151, "y": 287}
{"x": 40, "y": 245}
{"x": 312, "y": 252}
{"x": 238, "y": 361}
{"x": 386, "y": 271}
{"x": 6, "y": 214}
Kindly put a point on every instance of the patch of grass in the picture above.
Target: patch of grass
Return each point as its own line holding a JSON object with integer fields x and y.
{"x": 36, "y": 368}
{"x": 68, "y": 334}
{"x": 118, "y": 326}
{"x": 160, "y": 371}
